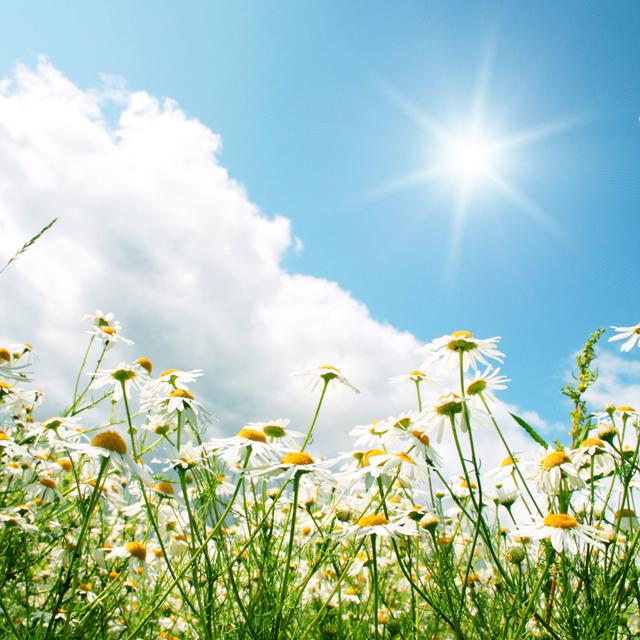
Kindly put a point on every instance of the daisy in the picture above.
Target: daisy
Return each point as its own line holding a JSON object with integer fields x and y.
{"x": 277, "y": 432}
{"x": 630, "y": 335}
{"x": 106, "y": 329}
{"x": 13, "y": 360}
{"x": 233, "y": 450}
{"x": 593, "y": 453}
{"x": 136, "y": 552}
{"x": 376, "y": 524}
{"x": 564, "y": 532}
{"x": 323, "y": 375}
{"x": 438, "y": 414}
{"x": 9, "y": 446}
{"x": 370, "y": 435}
{"x": 177, "y": 379}
{"x": 415, "y": 376}
{"x": 486, "y": 383}
{"x": 627, "y": 520}
{"x": 298, "y": 462}
{"x": 112, "y": 446}
{"x": 376, "y": 463}
{"x": 189, "y": 456}
{"x": 128, "y": 375}
{"x": 552, "y": 468}
{"x": 504, "y": 471}
{"x": 174, "y": 400}
{"x": 446, "y": 351}
{"x": 13, "y": 397}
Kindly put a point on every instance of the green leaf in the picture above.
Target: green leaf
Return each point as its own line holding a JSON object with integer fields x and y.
{"x": 530, "y": 430}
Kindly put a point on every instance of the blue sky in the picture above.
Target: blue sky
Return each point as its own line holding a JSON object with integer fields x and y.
{"x": 296, "y": 91}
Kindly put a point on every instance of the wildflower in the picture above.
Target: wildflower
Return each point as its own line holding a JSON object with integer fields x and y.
{"x": 630, "y": 335}
{"x": 486, "y": 383}
{"x": 107, "y": 329}
{"x": 178, "y": 399}
{"x": 324, "y": 374}
{"x": 439, "y": 414}
{"x": 378, "y": 524}
{"x": 177, "y": 379}
{"x": 135, "y": 551}
{"x": 447, "y": 349}
{"x": 232, "y": 450}
{"x": 564, "y": 532}
{"x": 14, "y": 360}
{"x": 111, "y": 445}
{"x": 298, "y": 462}
{"x": 124, "y": 374}
{"x": 627, "y": 519}
{"x": 277, "y": 431}
{"x": 415, "y": 376}
{"x": 593, "y": 455}
{"x": 14, "y": 397}
{"x": 553, "y": 468}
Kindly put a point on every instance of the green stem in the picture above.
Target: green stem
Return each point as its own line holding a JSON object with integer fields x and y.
{"x": 315, "y": 415}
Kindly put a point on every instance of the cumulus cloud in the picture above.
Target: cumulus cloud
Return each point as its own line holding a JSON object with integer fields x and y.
{"x": 153, "y": 228}
{"x": 618, "y": 380}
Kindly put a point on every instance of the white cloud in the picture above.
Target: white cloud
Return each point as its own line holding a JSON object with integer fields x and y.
{"x": 153, "y": 228}
{"x": 618, "y": 380}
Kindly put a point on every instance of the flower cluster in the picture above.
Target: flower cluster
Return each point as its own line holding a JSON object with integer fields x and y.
{"x": 124, "y": 517}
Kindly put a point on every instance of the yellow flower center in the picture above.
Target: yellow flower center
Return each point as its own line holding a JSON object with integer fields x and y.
{"x": 164, "y": 487}
{"x": 592, "y": 442}
{"x": 110, "y": 440}
{"x": 297, "y": 458}
{"x": 554, "y": 459}
{"x": 560, "y": 521}
{"x": 146, "y": 364}
{"x": 365, "y": 461}
{"x": 65, "y": 463}
{"x": 476, "y": 387}
{"x": 461, "y": 341}
{"x": 625, "y": 513}
{"x": 110, "y": 331}
{"x": 374, "y": 520}
{"x": 404, "y": 457}
{"x": 422, "y": 437}
{"x": 449, "y": 408}
{"x": 167, "y": 372}
{"x": 136, "y": 550}
{"x": 625, "y": 408}
{"x": 3, "y": 436}
{"x": 252, "y": 434}
{"x": 48, "y": 482}
{"x": 5, "y": 355}
{"x": 507, "y": 462}
{"x": 328, "y": 367}
{"x": 180, "y": 393}
{"x": 462, "y": 334}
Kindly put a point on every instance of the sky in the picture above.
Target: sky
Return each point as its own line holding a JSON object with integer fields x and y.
{"x": 263, "y": 233}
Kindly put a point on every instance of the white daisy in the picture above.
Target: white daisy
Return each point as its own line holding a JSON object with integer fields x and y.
{"x": 323, "y": 375}
{"x": 128, "y": 374}
{"x": 377, "y": 524}
{"x": 446, "y": 351}
{"x": 552, "y": 468}
{"x": 593, "y": 453}
{"x": 564, "y": 532}
{"x": 107, "y": 329}
{"x": 630, "y": 335}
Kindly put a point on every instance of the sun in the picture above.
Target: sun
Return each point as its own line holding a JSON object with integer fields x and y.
{"x": 471, "y": 158}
